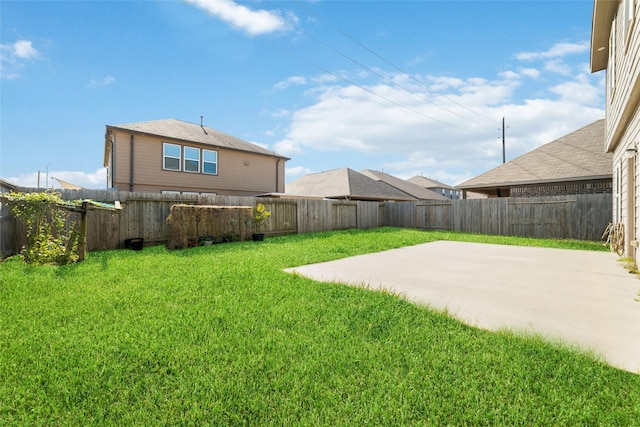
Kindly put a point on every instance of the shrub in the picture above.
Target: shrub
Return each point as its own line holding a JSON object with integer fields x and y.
{"x": 52, "y": 236}
{"x": 260, "y": 215}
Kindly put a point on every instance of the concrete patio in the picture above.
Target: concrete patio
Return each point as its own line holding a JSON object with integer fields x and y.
{"x": 579, "y": 297}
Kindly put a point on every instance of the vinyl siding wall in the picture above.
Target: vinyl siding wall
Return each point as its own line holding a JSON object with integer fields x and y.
{"x": 623, "y": 74}
{"x": 239, "y": 173}
{"x": 623, "y": 115}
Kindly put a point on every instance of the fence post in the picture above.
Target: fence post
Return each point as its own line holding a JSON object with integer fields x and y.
{"x": 82, "y": 247}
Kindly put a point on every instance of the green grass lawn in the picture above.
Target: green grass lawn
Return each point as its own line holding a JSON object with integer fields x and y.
{"x": 220, "y": 335}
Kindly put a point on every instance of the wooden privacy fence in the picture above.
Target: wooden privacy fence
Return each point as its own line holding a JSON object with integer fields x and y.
{"x": 144, "y": 215}
{"x": 7, "y": 226}
{"x": 581, "y": 216}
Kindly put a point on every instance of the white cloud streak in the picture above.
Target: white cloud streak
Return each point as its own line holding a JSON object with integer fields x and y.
{"x": 96, "y": 179}
{"x": 558, "y": 50}
{"x": 294, "y": 80}
{"x": 254, "y": 22}
{"x": 24, "y": 49}
{"x": 105, "y": 81}
{"x": 297, "y": 171}
{"x": 13, "y": 57}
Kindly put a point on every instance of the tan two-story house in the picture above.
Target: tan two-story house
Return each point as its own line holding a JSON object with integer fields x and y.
{"x": 615, "y": 46}
{"x": 163, "y": 156}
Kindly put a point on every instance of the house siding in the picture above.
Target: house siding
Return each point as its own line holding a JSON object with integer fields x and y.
{"x": 624, "y": 94}
{"x": 239, "y": 172}
{"x": 629, "y": 178}
{"x": 623, "y": 118}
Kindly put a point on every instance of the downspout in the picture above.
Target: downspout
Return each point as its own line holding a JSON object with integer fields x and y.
{"x": 108, "y": 163}
{"x": 131, "y": 164}
{"x": 112, "y": 166}
{"x": 630, "y": 238}
{"x": 113, "y": 161}
{"x": 277, "y": 174}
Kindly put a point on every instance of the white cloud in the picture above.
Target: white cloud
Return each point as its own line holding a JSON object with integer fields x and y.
{"x": 105, "y": 81}
{"x": 325, "y": 78}
{"x": 432, "y": 133}
{"x": 294, "y": 80}
{"x": 530, "y": 72}
{"x": 254, "y": 22}
{"x": 297, "y": 171}
{"x": 24, "y": 49}
{"x": 13, "y": 57}
{"x": 579, "y": 91}
{"x": 558, "y": 66}
{"x": 281, "y": 113}
{"x": 97, "y": 179}
{"x": 558, "y": 50}
{"x": 349, "y": 118}
{"x": 510, "y": 75}
{"x": 416, "y": 61}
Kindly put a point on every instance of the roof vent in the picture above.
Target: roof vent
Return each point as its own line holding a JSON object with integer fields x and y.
{"x": 202, "y": 125}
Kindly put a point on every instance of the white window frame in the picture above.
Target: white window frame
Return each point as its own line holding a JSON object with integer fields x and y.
{"x": 165, "y": 156}
{"x": 205, "y": 162}
{"x": 191, "y": 158}
{"x": 629, "y": 10}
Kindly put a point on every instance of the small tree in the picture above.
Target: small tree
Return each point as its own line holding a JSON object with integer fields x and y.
{"x": 52, "y": 237}
{"x": 260, "y": 215}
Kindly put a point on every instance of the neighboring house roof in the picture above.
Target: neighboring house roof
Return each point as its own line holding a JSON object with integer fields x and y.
{"x": 191, "y": 132}
{"x": 6, "y": 184}
{"x": 430, "y": 183}
{"x": 344, "y": 183}
{"x": 67, "y": 185}
{"x": 410, "y": 188}
{"x": 577, "y": 156}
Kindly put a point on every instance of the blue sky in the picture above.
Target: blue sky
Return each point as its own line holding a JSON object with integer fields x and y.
{"x": 408, "y": 87}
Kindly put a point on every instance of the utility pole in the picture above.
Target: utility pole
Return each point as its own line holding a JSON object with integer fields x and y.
{"x": 503, "y": 153}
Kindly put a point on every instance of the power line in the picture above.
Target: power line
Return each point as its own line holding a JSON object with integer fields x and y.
{"x": 353, "y": 39}
{"x": 384, "y": 97}
{"x": 385, "y": 78}
{"x": 362, "y": 87}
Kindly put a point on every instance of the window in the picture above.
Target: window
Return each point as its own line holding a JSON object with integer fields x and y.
{"x": 191, "y": 159}
{"x": 628, "y": 17}
{"x": 171, "y": 156}
{"x": 187, "y": 159}
{"x": 210, "y": 162}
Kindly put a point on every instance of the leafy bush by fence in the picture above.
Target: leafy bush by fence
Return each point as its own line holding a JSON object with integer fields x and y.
{"x": 190, "y": 223}
{"x": 144, "y": 215}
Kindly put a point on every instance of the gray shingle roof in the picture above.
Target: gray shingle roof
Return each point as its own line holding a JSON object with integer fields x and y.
{"x": 577, "y": 156}
{"x": 416, "y": 191}
{"x": 429, "y": 183}
{"x": 6, "y": 184}
{"x": 191, "y": 132}
{"x": 344, "y": 183}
